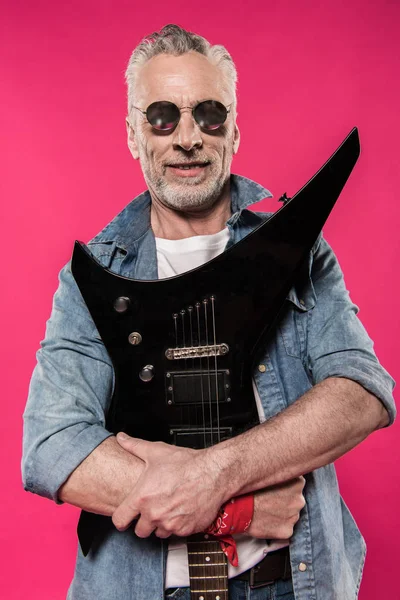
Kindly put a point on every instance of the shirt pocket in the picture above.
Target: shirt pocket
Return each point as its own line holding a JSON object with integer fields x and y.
{"x": 293, "y": 321}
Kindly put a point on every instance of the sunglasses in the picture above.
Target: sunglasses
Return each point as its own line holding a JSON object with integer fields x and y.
{"x": 165, "y": 116}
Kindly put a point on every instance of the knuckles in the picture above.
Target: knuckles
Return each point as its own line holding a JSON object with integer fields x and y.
{"x": 185, "y": 531}
{"x": 119, "y": 524}
{"x": 166, "y": 530}
{"x": 162, "y": 534}
{"x": 285, "y": 532}
{"x": 298, "y": 503}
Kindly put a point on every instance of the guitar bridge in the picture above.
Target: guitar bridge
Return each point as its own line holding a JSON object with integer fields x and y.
{"x": 197, "y": 351}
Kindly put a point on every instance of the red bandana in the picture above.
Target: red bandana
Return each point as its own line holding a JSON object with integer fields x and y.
{"x": 234, "y": 517}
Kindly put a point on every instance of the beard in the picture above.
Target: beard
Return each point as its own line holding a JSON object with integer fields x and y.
{"x": 187, "y": 193}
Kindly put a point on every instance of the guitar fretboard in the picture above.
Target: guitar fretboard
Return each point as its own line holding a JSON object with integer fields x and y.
{"x": 208, "y": 569}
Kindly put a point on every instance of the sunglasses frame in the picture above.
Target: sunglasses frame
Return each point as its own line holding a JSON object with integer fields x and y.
{"x": 192, "y": 108}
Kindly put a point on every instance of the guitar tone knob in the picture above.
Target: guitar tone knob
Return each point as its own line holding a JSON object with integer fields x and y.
{"x": 147, "y": 373}
{"x": 122, "y": 304}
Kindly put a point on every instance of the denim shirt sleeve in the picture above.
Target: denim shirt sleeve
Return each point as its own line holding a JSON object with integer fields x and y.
{"x": 64, "y": 419}
{"x": 338, "y": 344}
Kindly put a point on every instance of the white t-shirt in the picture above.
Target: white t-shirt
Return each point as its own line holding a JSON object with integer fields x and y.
{"x": 175, "y": 257}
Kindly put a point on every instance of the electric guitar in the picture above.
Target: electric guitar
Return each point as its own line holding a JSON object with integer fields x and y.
{"x": 183, "y": 348}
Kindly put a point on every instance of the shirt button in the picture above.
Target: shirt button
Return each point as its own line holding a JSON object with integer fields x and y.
{"x": 302, "y": 567}
{"x": 262, "y": 368}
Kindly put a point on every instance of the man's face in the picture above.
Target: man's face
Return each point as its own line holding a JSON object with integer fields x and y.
{"x": 184, "y": 80}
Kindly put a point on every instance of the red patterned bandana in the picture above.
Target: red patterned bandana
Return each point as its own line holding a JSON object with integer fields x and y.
{"x": 234, "y": 517}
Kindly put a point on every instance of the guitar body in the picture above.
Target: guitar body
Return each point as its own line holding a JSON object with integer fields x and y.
{"x": 183, "y": 348}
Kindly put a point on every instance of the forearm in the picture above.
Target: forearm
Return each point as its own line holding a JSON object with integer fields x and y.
{"x": 102, "y": 481}
{"x": 329, "y": 420}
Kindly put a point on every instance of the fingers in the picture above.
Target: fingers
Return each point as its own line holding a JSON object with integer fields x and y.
{"x": 162, "y": 533}
{"x": 302, "y": 481}
{"x": 125, "y": 514}
{"x": 123, "y": 517}
{"x": 133, "y": 445}
{"x": 298, "y": 489}
{"x": 144, "y": 528}
{"x": 144, "y": 449}
{"x": 302, "y": 498}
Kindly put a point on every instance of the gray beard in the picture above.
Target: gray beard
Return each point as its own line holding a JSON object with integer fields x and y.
{"x": 189, "y": 196}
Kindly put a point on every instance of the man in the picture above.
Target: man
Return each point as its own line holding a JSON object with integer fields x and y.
{"x": 319, "y": 385}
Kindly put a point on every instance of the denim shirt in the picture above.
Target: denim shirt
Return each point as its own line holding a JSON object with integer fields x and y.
{"x": 318, "y": 336}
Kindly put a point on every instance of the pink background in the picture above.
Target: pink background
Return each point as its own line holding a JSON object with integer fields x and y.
{"x": 311, "y": 71}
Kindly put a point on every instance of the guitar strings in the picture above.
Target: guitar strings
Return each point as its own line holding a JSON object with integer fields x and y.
{"x": 201, "y": 374}
{"x": 205, "y": 304}
{"x": 186, "y": 407}
{"x": 216, "y": 367}
{"x": 208, "y": 369}
{"x": 210, "y": 573}
{"x": 196, "y": 416}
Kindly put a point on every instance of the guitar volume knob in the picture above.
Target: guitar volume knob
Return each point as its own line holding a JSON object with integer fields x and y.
{"x": 147, "y": 373}
{"x": 122, "y": 304}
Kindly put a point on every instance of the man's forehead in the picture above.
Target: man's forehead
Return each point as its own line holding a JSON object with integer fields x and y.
{"x": 175, "y": 78}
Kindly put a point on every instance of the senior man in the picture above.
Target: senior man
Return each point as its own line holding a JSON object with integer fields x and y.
{"x": 319, "y": 386}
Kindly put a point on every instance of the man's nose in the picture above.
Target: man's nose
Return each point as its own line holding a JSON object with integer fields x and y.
{"x": 187, "y": 134}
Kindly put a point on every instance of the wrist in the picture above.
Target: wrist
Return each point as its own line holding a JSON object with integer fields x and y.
{"x": 223, "y": 463}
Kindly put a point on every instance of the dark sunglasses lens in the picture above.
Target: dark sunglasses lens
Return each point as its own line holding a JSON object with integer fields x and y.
{"x": 163, "y": 116}
{"x": 210, "y": 114}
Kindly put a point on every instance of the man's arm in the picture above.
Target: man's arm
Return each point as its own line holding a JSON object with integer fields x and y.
{"x": 325, "y": 423}
{"x": 181, "y": 488}
{"x": 66, "y": 444}
{"x": 103, "y": 480}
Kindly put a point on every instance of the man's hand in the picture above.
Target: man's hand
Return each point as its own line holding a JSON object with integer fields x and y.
{"x": 277, "y": 510}
{"x": 177, "y": 493}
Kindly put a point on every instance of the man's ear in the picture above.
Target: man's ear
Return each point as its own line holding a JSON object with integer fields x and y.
{"x": 236, "y": 139}
{"x": 131, "y": 140}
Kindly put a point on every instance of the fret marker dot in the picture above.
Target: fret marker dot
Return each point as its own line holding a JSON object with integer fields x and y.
{"x": 201, "y": 597}
{"x": 217, "y": 598}
{"x": 208, "y": 558}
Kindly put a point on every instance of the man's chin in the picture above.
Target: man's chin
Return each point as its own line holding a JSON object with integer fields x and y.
{"x": 191, "y": 198}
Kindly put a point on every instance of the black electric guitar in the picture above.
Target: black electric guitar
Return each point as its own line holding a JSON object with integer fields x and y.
{"x": 183, "y": 348}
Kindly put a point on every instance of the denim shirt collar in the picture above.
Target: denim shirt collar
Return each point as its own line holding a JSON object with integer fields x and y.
{"x": 130, "y": 236}
{"x": 133, "y": 222}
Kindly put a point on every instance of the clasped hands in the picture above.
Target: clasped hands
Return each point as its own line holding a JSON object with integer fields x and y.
{"x": 180, "y": 491}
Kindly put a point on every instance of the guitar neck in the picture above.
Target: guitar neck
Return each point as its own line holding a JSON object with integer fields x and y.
{"x": 208, "y": 569}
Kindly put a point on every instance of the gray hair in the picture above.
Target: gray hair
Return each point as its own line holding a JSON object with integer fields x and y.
{"x": 175, "y": 40}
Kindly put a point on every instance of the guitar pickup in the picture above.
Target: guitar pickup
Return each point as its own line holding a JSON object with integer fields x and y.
{"x": 199, "y": 438}
{"x": 197, "y": 387}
